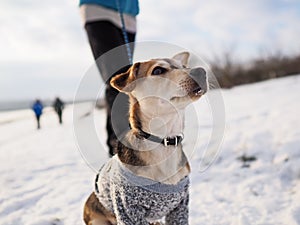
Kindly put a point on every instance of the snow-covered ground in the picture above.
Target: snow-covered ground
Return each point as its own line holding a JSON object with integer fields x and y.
{"x": 45, "y": 181}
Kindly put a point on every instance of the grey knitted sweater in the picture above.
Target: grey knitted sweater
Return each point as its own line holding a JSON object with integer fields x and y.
{"x": 137, "y": 201}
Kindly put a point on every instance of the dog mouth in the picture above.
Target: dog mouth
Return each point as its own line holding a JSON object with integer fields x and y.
{"x": 193, "y": 93}
{"x": 197, "y": 91}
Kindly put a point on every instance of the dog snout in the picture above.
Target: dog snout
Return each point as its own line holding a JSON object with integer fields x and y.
{"x": 199, "y": 76}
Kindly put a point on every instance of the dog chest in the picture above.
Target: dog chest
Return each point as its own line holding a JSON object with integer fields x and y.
{"x": 122, "y": 191}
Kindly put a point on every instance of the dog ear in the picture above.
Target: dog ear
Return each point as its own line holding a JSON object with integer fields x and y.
{"x": 124, "y": 81}
{"x": 183, "y": 57}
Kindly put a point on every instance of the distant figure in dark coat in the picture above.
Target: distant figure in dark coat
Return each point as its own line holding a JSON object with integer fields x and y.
{"x": 37, "y": 107}
{"x": 58, "y": 106}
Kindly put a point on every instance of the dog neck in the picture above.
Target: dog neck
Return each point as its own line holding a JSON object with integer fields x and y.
{"x": 145, "y": 118}
{"x": 166, "y": 164}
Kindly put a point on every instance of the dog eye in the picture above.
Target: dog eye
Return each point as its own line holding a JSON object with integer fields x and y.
{"x": 158, "y": 70}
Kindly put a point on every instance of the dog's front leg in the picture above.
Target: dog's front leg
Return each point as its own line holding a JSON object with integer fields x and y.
{"x": 180, "y": 215}
{"x": 134, "y": 215}
{"x": 128, "y": 214}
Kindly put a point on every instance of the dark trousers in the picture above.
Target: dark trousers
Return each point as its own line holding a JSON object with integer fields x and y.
{"x": 38, "y": 121}
{"x": 104, "y": 36}
{"x": 59, "y": 113}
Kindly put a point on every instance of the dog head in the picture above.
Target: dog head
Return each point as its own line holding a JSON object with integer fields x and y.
{"x": 163, "y": 82}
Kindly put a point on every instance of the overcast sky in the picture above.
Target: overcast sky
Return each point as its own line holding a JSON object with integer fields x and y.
{"x": 44, "y": 50}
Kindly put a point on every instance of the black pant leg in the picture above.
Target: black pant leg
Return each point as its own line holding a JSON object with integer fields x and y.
{"x": 59, "y": 113}
{"x": 38, "y": 121}
{"x": 104, "y": 36}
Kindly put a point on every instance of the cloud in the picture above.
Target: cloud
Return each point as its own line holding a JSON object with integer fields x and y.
{"x": 44, "y": 80}
{"x": 46, "y": 39}
{"x": 209, "y": 27}
{"x": 41, "y": 30}
{"x": 41, "y": 43}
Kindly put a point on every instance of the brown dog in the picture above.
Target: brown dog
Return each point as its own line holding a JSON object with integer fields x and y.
{"x": 148, "y": 178}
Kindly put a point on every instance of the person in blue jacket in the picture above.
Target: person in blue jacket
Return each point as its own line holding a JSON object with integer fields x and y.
{"x": 103, "y": 25}
{"x": 37, "y": 107}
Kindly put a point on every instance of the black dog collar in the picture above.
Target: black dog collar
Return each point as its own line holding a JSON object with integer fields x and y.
{"x": 165, "y": 141}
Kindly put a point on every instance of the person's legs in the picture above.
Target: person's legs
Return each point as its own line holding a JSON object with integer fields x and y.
{"x": 104, "y": 36}
{"x": 38, "y": 121}
{"x": 60, "y": 116}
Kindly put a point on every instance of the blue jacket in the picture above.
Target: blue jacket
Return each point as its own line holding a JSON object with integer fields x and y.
{"x": 130, "y": 7}
{"x": 37, "y": 108}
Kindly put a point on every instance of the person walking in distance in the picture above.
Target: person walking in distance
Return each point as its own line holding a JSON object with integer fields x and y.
{"x": 58, "y": 106}
{"x": 37, "y": 107}
{"x": 110, "y": 24}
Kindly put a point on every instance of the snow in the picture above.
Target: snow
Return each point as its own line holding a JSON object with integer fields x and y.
{"x": 45, "y": 181}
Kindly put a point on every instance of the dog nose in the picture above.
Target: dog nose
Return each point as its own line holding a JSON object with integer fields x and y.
{"x": 199, "y": 76}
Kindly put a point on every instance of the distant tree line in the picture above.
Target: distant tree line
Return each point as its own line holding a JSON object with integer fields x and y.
{"x": 230, "y": 73}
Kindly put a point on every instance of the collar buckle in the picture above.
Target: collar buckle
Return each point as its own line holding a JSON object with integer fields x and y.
{"x": 166, "y": 141}
{"x": 172, "y": 141}
{"x": 176, "y": 141}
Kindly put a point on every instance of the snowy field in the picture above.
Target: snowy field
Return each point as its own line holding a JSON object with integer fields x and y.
{"x": 254, "y": 180}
